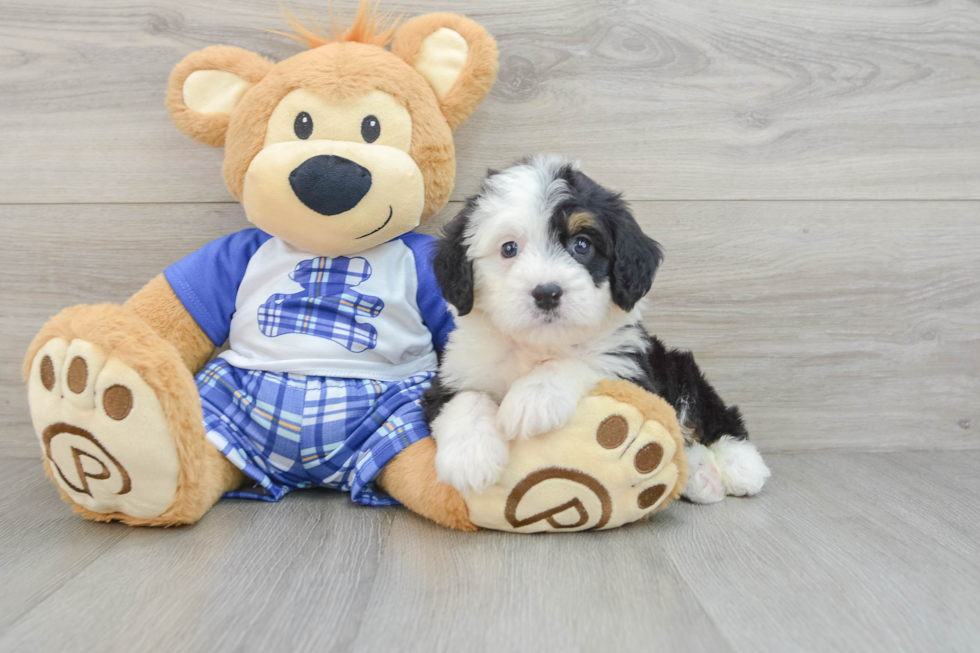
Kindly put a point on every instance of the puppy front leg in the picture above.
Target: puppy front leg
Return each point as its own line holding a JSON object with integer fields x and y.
{"x": 471, "y": 454}
{"x": 545, "y": 399}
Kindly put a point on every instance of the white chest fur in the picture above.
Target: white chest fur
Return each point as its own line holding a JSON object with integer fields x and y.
{"x": 480, "y": 358}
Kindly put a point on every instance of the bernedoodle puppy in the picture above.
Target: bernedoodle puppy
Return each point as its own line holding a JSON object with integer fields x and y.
{"x": 546, "y": 272}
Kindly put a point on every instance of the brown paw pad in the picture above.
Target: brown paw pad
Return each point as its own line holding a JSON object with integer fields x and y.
{"x": 77, "y": 375}
{"x": 117, "y": 401}
{"x": 648, "y": 458}
{"x": 650, "y": 496}
{"x": 612, "y": 431}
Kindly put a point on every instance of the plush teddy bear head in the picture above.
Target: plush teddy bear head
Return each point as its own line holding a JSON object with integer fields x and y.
{"x": 346, "y": 145}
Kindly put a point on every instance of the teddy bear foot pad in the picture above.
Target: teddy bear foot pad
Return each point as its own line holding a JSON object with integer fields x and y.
{"x": 613, "y": 463}
{"x": 102, "y": 431}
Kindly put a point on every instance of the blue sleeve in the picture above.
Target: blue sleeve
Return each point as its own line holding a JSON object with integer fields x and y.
{"x": 435, "y": 311}
{"x": 206, "y": 282}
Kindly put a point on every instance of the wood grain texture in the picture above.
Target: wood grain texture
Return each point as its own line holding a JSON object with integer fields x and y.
{"x": 834, "y": 325}
{"x": 815, "y": 563}
{"x": 842, "y": 551}
{"x": 497, "y": 592}
{"x": 251, "y": 576}
{"x": 674, "y": 100}
{"x": 851, "y": 326}
{"x": 43, "y": 545}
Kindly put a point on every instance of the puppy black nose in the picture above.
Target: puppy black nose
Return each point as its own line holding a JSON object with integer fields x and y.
{"x": 547, "y": 296}
{"x": 330, "y": 184}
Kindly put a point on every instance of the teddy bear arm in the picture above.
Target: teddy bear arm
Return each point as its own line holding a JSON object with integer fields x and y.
{"x": 158, "y": 306}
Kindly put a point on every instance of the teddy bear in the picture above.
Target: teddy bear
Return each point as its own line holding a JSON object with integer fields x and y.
{"x": 330, "y": 309}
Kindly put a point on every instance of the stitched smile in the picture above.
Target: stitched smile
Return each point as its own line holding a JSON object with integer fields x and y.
{"x": 390, "y": 213}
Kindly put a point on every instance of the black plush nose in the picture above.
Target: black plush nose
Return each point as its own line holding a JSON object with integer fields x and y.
{"x": 330, "y": 184}
{"x": 547, "y": 296}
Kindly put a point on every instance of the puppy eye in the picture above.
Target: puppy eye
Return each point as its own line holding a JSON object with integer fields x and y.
{"x": 303, "y": 126}
{"x": 509, "y": 250}
{"x": 370, "y": 129}
{"x": 581, "y": 245}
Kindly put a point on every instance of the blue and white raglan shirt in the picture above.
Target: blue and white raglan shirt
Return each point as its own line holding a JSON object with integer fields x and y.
{"x": 377, "y": 315}
{"x": 328, "y": 356}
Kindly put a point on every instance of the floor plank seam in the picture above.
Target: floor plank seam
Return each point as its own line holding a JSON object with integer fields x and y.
{"x": 47, "y": 597}
{"x": 704, "y": 608}
{"x": 368, "y": 594}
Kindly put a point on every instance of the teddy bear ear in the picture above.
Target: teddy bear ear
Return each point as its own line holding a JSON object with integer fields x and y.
{"x": 455, "y": 55}
{"x": 206, "y": 87}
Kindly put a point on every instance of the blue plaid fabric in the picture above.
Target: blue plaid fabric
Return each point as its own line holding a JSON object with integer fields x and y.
{"x": 288, "y": 431}
{"x": 327, "y": 306}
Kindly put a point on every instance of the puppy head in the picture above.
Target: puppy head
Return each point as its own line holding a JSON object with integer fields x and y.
{"x": 547, "y": 254}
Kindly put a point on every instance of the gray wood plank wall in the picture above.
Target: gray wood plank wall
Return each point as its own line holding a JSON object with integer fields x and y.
{"x": 749, "y": 137}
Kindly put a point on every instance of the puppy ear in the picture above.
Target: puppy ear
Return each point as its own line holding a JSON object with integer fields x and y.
{"x": 452, "y": 267}
{"x": 206, "y": 87}
{"x": 455, "y": 55}
{"x": 636, "y": 258}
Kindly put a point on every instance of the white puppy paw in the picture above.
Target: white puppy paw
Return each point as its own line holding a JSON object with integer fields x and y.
{"x": 533, "y": 406}
{"x": 471, "y": 466}
{"x": 704, "y": 485}
{"x": 743, "y": 472}
{"x": 471, "y": 455}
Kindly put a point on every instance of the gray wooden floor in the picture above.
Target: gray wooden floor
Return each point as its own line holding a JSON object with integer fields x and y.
{"x": 813, "y": 171}
{"x": 843, "y": 552}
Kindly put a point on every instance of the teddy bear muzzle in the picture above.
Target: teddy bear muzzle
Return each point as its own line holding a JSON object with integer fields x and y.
{"x": 333, "y": 198}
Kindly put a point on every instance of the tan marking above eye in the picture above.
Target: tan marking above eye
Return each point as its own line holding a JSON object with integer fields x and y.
{"x": 579, "y": 221}
{"x": 341, "y": 120}
{"x": 77, "y": 375}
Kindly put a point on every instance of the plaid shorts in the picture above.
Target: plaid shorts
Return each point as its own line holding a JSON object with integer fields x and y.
{"x": 290, "y": 431}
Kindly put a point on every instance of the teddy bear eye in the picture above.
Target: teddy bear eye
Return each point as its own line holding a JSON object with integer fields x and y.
{"x": 303, "y": 126}
{"x": 370, "y": 129}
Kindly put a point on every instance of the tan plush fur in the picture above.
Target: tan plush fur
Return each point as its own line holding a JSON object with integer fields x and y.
{"x": 476, "y": 78}
{"x": 204, "y": 473}
{"x": 158, "y": 306}
{"x": 351, "y": 64}
{"x": 156, "y": 336}
{"x": 653, "y": 408}
{"x": 411, "y": 478}
{"x": 368, "y": 27}
{"x": 338, "y": 71}
{"x": 210, "y": 129}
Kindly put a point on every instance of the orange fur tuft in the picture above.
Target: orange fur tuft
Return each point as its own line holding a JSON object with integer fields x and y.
{"x": 368, "y": 27}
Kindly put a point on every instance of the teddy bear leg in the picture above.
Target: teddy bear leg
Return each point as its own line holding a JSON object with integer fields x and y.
{"x": 119, "y": 420}
{"x": 619, "y": 459}
{"x": 410, "y": 477}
